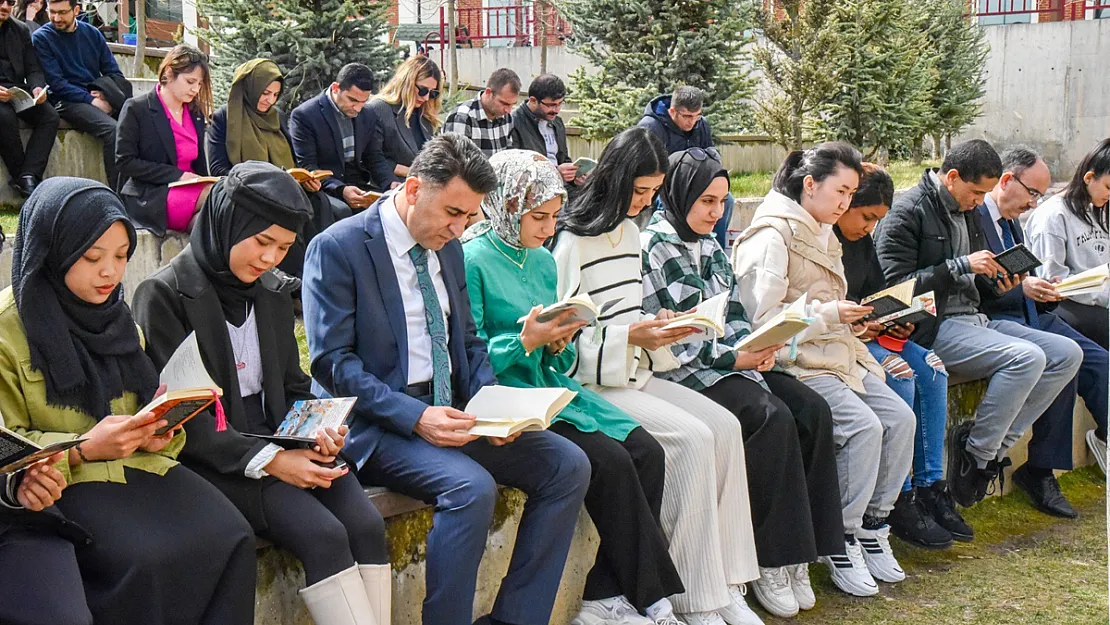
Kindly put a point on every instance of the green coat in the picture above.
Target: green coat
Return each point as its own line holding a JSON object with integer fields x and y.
{"x": 24, "y": 409}
{"x": 500, "y": 293}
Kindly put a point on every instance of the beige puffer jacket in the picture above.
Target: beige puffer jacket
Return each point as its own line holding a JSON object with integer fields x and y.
{"x": 786, "y": 254}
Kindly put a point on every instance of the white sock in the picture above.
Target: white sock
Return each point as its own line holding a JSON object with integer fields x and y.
{"x": 660, "y": 609}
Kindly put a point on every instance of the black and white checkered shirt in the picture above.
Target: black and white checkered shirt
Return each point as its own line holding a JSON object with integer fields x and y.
{"x": 470, "y": 121}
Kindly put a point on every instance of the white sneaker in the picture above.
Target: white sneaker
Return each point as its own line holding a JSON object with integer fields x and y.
{"x": 849, "y": 572}
{"x": 669, "y": 619}
{"x": 1098, "y": 448}
{"x": 878, "y": 556}
{"x": 612, "y": 611}
{"x": 737, "y": 611}
{"x": 799, "y": 583}
{"x": 773, "y": 592}
{"x": 703, "y": 618}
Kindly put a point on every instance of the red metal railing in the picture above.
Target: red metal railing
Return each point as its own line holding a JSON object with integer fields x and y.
{"x": 1047, "y": 10}
{"x": 517, "y": 25}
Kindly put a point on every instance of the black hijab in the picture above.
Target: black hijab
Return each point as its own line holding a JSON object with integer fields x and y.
{"x": 689, "y": 174}
{"x": 253, "y": 197}
{"x": 88, "y": 353}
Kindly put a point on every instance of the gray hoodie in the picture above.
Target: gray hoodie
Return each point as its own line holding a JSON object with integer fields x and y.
{"x": 1067, "y": 245}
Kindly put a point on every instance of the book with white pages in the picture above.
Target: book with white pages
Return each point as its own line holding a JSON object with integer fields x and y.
{"x": 1088, "y": 282}
{"x": 583, "y": 306}
{"x": 790, "y": 322}
{"x": 189, "y": 387}
{"x": 501, "y": 411}
{"x": 921, "y": 308}
{"x": 21, "y": 100}
{"x": 708, "y": 319}
{"x": 890, "y": 300}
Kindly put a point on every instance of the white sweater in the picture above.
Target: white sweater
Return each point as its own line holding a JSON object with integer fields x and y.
{"x": 606, "y": 272}
{"x": 1067, "y": 245}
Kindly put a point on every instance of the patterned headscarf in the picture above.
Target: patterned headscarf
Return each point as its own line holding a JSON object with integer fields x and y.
{"x": 525, "y": 180}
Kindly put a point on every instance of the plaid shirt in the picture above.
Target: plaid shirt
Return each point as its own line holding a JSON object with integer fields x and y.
{"x": 470, "y": 121}
{"x": 675, "y": 280}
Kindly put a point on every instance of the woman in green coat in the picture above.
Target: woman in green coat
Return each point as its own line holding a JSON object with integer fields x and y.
{"x": 510, "y": 277}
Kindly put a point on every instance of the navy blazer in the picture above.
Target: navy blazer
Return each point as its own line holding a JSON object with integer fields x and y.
{"x": 354, "y": 318}
{"x": 1010, "y": 305}
{"x": 318, "y": 143}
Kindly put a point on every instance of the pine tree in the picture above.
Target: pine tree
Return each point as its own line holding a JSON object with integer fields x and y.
{"x": 648, "y": 47}
{"x": 310, "y": 40}
{"x": 960, "y": 51}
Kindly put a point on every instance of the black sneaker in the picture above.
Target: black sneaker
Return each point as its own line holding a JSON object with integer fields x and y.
{"x": 938, "y": 502}
{"x": 1045, "y": 493}
{"x": 911, "y": 521}
{"x": 964, "y": 479}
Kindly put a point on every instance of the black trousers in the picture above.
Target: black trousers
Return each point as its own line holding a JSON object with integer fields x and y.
{"x": 91, "y": 120}
{"x": 328, "y": 529}
{"x": 1092, "y": 322}
{"x": 791, "y": 462}
{"x": 624, "y": 499}
{"x": 166, "y": 550}
{"x": 44, "y": 129}
{"x": 39, "y": 580}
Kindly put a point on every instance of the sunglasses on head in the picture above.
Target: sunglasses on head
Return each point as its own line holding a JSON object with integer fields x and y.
{"x": 424, "y": 92}
{"x": 700, "y": 155}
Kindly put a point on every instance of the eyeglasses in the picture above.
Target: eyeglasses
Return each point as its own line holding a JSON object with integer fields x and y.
{"x": 10, "y": 3}
{"x": 1035, "y": 197}
{"x": 424, "y": 92}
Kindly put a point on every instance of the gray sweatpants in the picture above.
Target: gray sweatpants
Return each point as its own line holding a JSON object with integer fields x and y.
{"x": 1027, "y": 369}
{"x": 873, "y": 432}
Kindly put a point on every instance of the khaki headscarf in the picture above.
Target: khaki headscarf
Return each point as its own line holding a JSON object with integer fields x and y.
{"x": 253, "y": 136}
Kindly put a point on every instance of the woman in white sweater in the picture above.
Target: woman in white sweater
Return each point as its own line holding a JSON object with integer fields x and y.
{"x": 706, "y": 513}
{"x": 1071, "y": 234}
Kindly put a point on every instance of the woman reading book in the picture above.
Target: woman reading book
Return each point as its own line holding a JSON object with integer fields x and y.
{"x": 510, "y": 275}
{"x": 789, "y": 252}
{"x": 706, "y": 513}
{"x": 220, "y": 288}
{"x": 161, "y": 141}
{"x": 786, "y": 425}
{"x": 168, "y": 547}
{"x": 925, "y": 514}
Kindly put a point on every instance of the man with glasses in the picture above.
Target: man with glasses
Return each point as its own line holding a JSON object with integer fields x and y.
{"x": 486, "y": 118}
{"x": 19, "y": 68}
{"x": 86, "y": 85}
{"x": 538, "y": 127}
{"x": 1025, "y": 179}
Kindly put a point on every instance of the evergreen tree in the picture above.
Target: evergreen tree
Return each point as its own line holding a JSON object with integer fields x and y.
{"x": 310, "y": 40}
{"x": 960, "y": 51}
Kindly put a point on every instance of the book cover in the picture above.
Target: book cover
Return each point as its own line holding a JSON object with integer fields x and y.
{"x": 197, "y": 180}
{"x": 501, "y": 411}
{"x": 1018, "y": 260}
{"x": 307, "y": 418}
{"x": 18, "y": 453}
{"x": 921, "y": 308}
{"x": 302, "y": 175}
{"x": 890, "y": 300}
{"x": 189, "y": 387}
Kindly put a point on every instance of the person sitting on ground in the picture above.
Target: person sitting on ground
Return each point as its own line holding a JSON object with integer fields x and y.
{"x": 510, "y": 275}
{"x": 86, "y": 85}
{"x": 19, "y": 68}
{"x": 486, "y": 119}
{"x": 1025, "y": 179}
{"x": 538, "y": 127}
{"x": 406, "y": 115}
{"x": 924, "y": 514}
{"x": 932, "y": 235}
{"x": 161, "y": 141}
{"x": 72, "y": 365}
{"x": 796, "y": 505}
{"x": 789, "y": 253}
{"x": 32, "y": 13}
{"x": 332, "y": 132}
{"x": 219, "y": 288}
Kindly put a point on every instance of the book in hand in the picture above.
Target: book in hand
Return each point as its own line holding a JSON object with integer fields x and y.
{"x": 921, "y": 308}
{"x": 708, "y": 319}
{"x": 584, "y": 310}
{"x": 197, "y": 180}
{"x": 501, "y": 411}
{"x": 1018, "y": 260}
{"x": 189, "y": 388}
{"x": 779, "y": 329}
{"x": 890, "y": 300}
{"x": 21, "y": 100}
{"x": 1090, "y": 281}
{"x": 302, "y": 175}
{"x": 307, "y": 418}
{"x": 584, "y": 165}
{"x": 18, "y": 453}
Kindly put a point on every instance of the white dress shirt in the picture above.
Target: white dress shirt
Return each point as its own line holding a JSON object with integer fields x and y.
{"x": 992, "y": 208}
{"x": 400, "y": 241}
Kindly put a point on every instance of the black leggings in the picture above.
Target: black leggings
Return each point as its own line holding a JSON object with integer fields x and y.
{"x": 39, "y": 580}
{"x": 1092, "y": 322}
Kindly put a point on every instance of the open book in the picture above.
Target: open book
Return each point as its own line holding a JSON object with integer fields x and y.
{"x": 779, "y": 329}
{"x": 921, "y": 308}
{"x": 18, "y": 453}
{"x": 890, "y": 300}
{"x": 1091, "y": 281}
{"x": 584, "y": 165}
{"x": 197, "y": 180}
{"x": 584, "y": 310}
{"x": 1017, "y": 260}
{"x": 21, "y": 100}
{"x": 501, "y": 411}
{"x": 708, "y": 318}
{"x": 302, "y": 175}
{"x": 308, "y": 418}
{"x": 189, "y": 388}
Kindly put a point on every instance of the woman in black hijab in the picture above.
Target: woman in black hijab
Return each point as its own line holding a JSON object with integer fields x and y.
{"x": 166, "y": 546}
{"x": 221, "y": 287}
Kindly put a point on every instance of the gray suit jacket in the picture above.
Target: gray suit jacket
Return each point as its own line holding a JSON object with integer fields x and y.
{"x": 391, "y": 142}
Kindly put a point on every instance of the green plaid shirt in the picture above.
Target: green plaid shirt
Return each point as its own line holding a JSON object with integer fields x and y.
{"x": 674, "y": 281}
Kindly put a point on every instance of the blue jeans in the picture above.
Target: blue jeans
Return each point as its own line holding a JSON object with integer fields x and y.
{"x": 925, "y": 389}
{"x": 720, "y": 231}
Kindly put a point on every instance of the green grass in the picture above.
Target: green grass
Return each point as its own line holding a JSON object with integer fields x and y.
{"x": 756, "y": 184}
{"x": 9, "y": 219}
{"x": 302, "y": 344}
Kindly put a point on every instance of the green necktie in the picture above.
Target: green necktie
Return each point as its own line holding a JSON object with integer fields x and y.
{"x": 437, "y": 329}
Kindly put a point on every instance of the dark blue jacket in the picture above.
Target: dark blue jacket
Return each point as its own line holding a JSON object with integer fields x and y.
{"x": 219, "y": 163}
{"x": 318, "y": 142}
{"x": 1010, "y": 306}
{"x": 362, "y": 350}
{"x": 658, "y": 121}
{"x": 72, "y": 61}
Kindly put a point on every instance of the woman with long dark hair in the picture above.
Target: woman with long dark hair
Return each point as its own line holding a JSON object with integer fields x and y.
{"x": 32, "y": 12}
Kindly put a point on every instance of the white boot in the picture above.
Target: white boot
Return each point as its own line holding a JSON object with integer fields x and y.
{"x": 339, "y": 600}
{"x": 377, "y": 579}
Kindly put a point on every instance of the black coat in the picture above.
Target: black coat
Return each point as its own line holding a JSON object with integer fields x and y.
{"x": 219, "y": 163}
{"x": 318, "y": 143}
{"x": 49, "y": 521}
{"x": 19, "y": 67}
{"x": 526, "y": 134}
{"x": 861, "y": 266}
{"x": 392, "y": 142}
{"x": 146, "y": 156}
{"x": 179, "y": 299}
